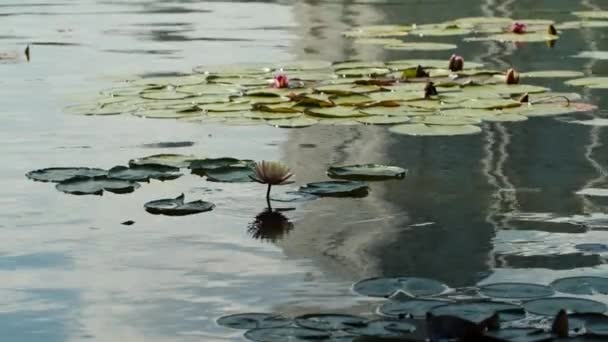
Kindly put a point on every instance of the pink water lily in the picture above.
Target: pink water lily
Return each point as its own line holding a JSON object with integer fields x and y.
{"x": 280, "y": 81}
{"x": 271, "y": 173}
{"x": 517, "y": 27}
{"x": 512, "y": 76}
{"x": 456, "y": 63}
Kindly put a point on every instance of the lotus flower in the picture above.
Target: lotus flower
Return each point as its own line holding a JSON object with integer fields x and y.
{"x": 517, "y": 27}
{"x": 271, "y": 173}
{"x": 456, "y": 63}
{"x": 512, "y": 76}
{"x": 281, "y": 81}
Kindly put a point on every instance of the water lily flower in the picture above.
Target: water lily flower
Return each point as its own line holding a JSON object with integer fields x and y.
{"x": 280, "y": 81}
{"x": 271, "y": 173}
{"x": 517, "y": 27}
{"x": 456, "y": 63}
{"x": 512, "y": 76}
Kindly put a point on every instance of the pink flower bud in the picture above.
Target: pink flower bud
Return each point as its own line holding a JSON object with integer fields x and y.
{"x": 280, "y": 81}
{"x": 456, "y": 63}
{"x": 517, "y": 27}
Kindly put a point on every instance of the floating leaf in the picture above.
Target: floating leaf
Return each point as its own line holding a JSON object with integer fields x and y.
{"x": 515, "y": 37}
{"x": 208, "y": 89}
{"x": 420, "y": 46}
{"x": 335, "y": 112}
{"x": 271, "y": 115}
{"x": 174, "y": 160}
{"x": 581, "y": 285}
{"x": 96, "y": 186}
{"x": 582, "y": 24}
{"x": 383, "y": 328}
{"x": 168, "y": 113}
{"x": 177, "y": 207}
{"x": 478, "y": 311}
{"x": 253, "y": 320}
{"x": 357, "y": 65}
{"x": 383, "y": 120}
{"x": 366, "y": 172}
{"x": 440, "y": 31}
{"x": 432, "y": 130}
{"x": 227, "y": 107}
{"x": 503, "y": 118}
{"x": 144, "y": 173}
{"x": 336, "y": 189}
{"x": 590, "y": 82}
{"x": 305, "y": 65}
{"x": 447, "y": 120}
{"x": 234, "y": 69}
{"x": 386, "y": 287}
{"x": 351, "y": 100}
{"x": 329, "y": 322}
{"x": 293, "y": 123}
{"x": 163, "y": 95}
{"x": 597, "y": 14}
{"x": 362, "y": 72}
{"x": 292, "y": 334}
{"x": 520, "y": 335}
{"x": 428, "y": 63}
{"x": 397, "y": 111}
{"x": 516, "y": 290}
{"x": 600, "y": 122}
{"x": 60, "y": 174}
{"x": 230, "y": 174}
{"x": 551, "y": 306}
{"x": 201, "y": 166}
{"x": 416, "y": 308}
{"x": 553, "y": 73}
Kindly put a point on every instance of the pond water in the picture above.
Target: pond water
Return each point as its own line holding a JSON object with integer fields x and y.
{"x": 71, "y": 272}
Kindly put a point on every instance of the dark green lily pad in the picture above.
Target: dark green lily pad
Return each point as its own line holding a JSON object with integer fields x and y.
{"x": 230, "y": 174}
{"x": 336, "y": 189}
{"x": 330, "y": 322}
{"x": 201, "y": 166}
{"x": 174, "y": 160}
{"x": 521, "y": 335}
{"x": 386, "y": 287}
{"x": 516, "y": 290}
{"x": 143, "y": 173}
{"x": 597, "y": 325}
{"x": 177, "y": 207}
{"x": 383, "y": 328}
{"x": 551, "y": 306}
{"x": 581, "y": 285}
{"x": 478, "y": 311}
{"x": 281, "y": 334}
{"x": 293, "y": 196}
{"x": 366, "y": 172}
{"x": 60, "y": 174}
{"x": 253, "y": 321}
{"x": 416, "y": 308}
{"x": 96, "y": 186}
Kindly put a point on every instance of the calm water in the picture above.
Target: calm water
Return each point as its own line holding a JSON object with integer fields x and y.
{"x": 71, "y": 272}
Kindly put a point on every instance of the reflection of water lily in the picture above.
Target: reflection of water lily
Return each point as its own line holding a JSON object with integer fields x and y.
{"x": 517, "y": 27}
{"x": 270, "y": 225}
{"x": 271, "y": 173}
{"x": 512, "y": 76}
{"x": 281, "y": 81}
{"x": 456, "y": 63}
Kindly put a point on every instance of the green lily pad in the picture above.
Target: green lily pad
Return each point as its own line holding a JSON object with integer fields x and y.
{"x": 230, "y": 174}
{"x": 336, "y": 189}
{"x": 163, "y": 95}
{"x": 280, "y": 334}
{"x": 383, "y": 328}
{"x": 551, "y": 306}
{"x": 335, "y": 112}
{"x": 544, "y": 109}
{"x": 351, "y": 100}
{"x": 166, "y": 81}
{"x": 514, "y": 37}
{"x": 383, "y": 120}
{"x": 226, "y": 107}
{"x": 240, "y": 81}
{"x": 362, "y": 72}
{"x": 590, "y": 82}
{"x": 96, "y": 186}
{"x": 440, "y": 31}
{"x": 520, "y": 335}
{"x": 270, "y": 115}
{"x": 177, "y": 207}
{"x": 254, "y": 100}
{"x": 582, "y": 24}
{"x": 397, "y": 111}
{"x": 144, "y": 173}
{"x": 581, "y": 285}
{"x": 329, "y": 322}
{"x": 358, "y": 65}
{"x": 516, "y": 290}
{"x": 491, "y": 104}
{"x": 60, "y": 174}
{"x": 378, "y": 31}
{"x": 598, "y": 14}
{"x": 201, "y": 166}
{"x": 600, "y": 122}
{"x": 416, "y": 308}
{"x": 293, "y": 123}
{"x": 253, "y": 321}
{"x": 123, "y": 91}
{"x": 208, "y": 89}
{"x": 428, "y": 63}
{"x": 553, "y": 73}
{"x": 386, "y": 287}
{"x": 234, "y": 69}
{"x": 168, "y": 113}
{"x": 366, "y": 172}
{"x": 477, "y": 311}
{"x": 499, "y": 117}
{"x": 397, "y": 96}
{"x": 446, "y": 120}
{"x": 434, "y": 130}
{"x": 420, "y": 46}
{"x": 174, "y": 160}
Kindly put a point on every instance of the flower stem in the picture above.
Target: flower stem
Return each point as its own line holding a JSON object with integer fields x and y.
{"x": 268, "y": 195}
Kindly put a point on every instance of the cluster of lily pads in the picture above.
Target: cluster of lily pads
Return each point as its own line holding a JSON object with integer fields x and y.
{"x": 126, "y": 179}
{"x": 420, "y": 309}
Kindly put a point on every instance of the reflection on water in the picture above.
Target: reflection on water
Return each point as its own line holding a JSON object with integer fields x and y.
{"x": 71, "y": 271}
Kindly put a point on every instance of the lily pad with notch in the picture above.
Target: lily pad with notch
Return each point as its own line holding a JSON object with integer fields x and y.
{"x": 143, "y": 173}
{"x": 329, "y": 322}
{"x": 551, "y": 306}
{"x": 582, "y": 285}
{"x": 367, "y": 172}
{"x": 520, "y": 335}
{"x": 479, "y": 310}
{"x": 177, "y": 206}
{"x": 173, "y": 160}
{"x": 60, "y": 174}
{"x": 336, "y": 189}
{"x": 516, "y": 290}
{"x": 386, "y": 287}
{"x": 416, "y": 308}
{"x": 253, "y": 320}
{"x": 96, "y": 186}
{"x": 230, "y": 174}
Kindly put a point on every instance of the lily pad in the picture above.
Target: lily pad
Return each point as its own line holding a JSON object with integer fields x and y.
{"x": 201, "y": 166}
{"x": 357, "y": 65}
{"x": 96, "y": 186}
{"x": 514, "y": 37}
{"x": 581, "y": 285}
{"x": 491, "y": 104}
{"x": 173, "y": 160}
{"x": 447, "y": 120}
{"x": 280, "y": 334}
{"x": 366, "y": 172}
{"x": 416, "y": 308}
{"x": 520, "y": 335}
{"x": 177, "y": 207}
{"x": 600, "y": 122}
{"x": 477, "y": 311}
{"x": 383, "y": 328}
{"x": 397, "y": 111}
{"x": 590, "y": 82}
{"x": 386, "y": 287}
{"x": 346, "y": 89}
{"x": 383, "y": 120}
{"x": 377, "y": 41}
{"x": 305, "y": 65}
{"x": 582, "y": 24}
{"x": 428, "y": 63}
{"x": 553, "y": 73}
{"x": 336, "y": 189}
{"x": 270, "y": 115}
{"x": 60, "y": 174}
{"x": 551, "y": 306}
{"x": 253, "y": 320}
{"x": 293, "y": 123}
{"x": 516, "y": 290}
{"x": 335, "y": 112}
{"x": 434, "y": 130}
{"x": 440, "y": 31}
{"x": 168, "y": 113}
{"x": 421, "y": 46}
{"x": 226, "y": 107}
{"x": 144, "y": 173}
{"x": 230, "y": 174}
{"x": 351, "y": 100}
{"x": 163, "y": 95}
{"x": 598, "y": 14}
{"x": 329, "y": 322}
{"x": 208, "y": 89}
